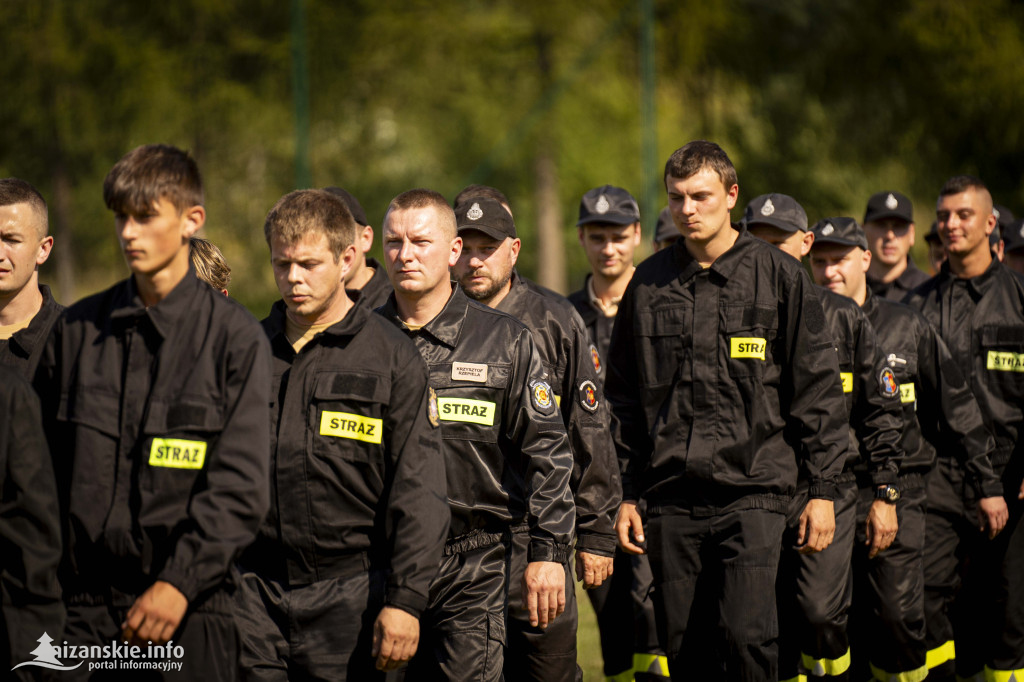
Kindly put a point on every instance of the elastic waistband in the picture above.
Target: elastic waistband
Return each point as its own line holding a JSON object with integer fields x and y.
{"x": 474, "y": 539}
{"x": 904, "y": 482}
{"x": 768, "y": 501}
{"x": 275, "y": 566}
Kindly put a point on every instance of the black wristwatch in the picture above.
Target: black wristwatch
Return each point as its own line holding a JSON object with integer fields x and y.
{"x": 887, "y": 493}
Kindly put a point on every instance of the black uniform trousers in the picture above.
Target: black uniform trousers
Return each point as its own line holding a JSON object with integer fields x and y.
{"x": 887, "y": 617}
{"x": 814, "y": 593}
{"x": 208, "y": 635}
{"x": 319, "y": 631}
{"x": 547, "y": 655}
{"x": 735, "y": 556}
{"x": 462, "y": 632}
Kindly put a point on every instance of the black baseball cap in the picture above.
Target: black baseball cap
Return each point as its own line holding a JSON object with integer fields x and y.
{"x": 778, "y": 210}
{"x": 840, "y": 230}
{"x": 933, "y": 234}
{"x": 354, "y": 207}
{"x": 1013, "y": 236}
{"x": 889, "y": 205}
{"x": 486, "y": 215}
{"x": 1004, "y": 217}
{"x": 608, "y": 205}
{"x": 666, "y": 228}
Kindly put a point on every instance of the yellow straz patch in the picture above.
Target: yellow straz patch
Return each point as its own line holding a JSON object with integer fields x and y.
{"x": 354, "y": 426}
{"x": 847, "y": 379}
{"x": 174, "y": 453}
{"x": 1005, "y": 361}
{"x": 742, "y": 347}
{"x": 907, "y": 393}
{"x": 466, "y": 410}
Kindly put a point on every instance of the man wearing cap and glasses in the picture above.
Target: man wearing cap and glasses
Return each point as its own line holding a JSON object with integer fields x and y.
{"x": 486, "y": 272}
{"x": 889, "y": 228}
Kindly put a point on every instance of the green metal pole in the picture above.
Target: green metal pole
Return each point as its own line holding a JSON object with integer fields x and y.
{"x": 300, "y": 95}
{"x": 650, "y": 197}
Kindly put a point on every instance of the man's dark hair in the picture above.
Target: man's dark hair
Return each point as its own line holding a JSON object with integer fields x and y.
{"x": 485, "y": 191}
{"x": 147, "y": 174}
{"x": 17, "y": 191}
{"x": 425, "y": 198}
{"x": 311, "y": 211}
{"x": 695, "y": 156}
{"x": 959, "y": 184}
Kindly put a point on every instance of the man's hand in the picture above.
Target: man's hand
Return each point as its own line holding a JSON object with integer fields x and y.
{"x": 396, "y": 635}
{"x": 993, "y": 515}
{"x": 817, "y": 526}
{"x": 629, "y": 520}
{"x": 155, "y": 615}
{"x": 881, "y": 527}
{"x": 593, "y": 569}
{"x": 544, "y": 591}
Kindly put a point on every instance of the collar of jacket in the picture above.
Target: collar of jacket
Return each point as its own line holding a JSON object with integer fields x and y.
{"x": 349, "y": 325}
{"x": 516, "y": 291}
{"x": 870, "y": 302}
{"x": 33, "y": 335}
{"x": 379, "y": 278}
{"x": 165, "y": 315}
{"x": 977, "y": 286}
{"x": 725, "y": 265}
{"x": 446, "y": 326}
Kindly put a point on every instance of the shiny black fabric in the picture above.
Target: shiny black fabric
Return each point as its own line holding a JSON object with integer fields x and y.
{"x": 374, "y": 293}
{"x": 599, "y": 327}
{"x": 335, "y": 496}
{"x": 23, "y": 350}
{"x": 115, "y": 379}
{"x": 519, "y": 466}
{"x": 699, "y": 428}
{"x": 898, "y": 289}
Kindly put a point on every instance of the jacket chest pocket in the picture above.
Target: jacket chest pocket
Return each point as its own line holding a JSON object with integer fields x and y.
{"x": 1002, "y": 352}
{"x": 346, "y": 415}
{"x": 179, "y": 438}
{"x": 751, "y": 336}
{"x": 470, "y": 410}
{"x": 662, "y": 345}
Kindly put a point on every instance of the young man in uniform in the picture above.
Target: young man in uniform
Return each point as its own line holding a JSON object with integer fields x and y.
{"x": 366, "y": 282}
{"x": 340, "y": 570}
{"x": 505, "y": 447}
{"x": 720, "y": 350}
{"x": 27, "y": 309}
{"x": 814, "y": 606}
{"x": 977, "y": 306}
{"x": 889, "y": 228}
{"x": 940, "y": 416}
{"x": 486, "y": 272}
{"x": 156, "y": 391}
{"x": 609, "y": 232}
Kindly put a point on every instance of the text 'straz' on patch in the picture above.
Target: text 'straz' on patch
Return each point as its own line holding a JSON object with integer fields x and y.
{"x": 1005, "y": 361}
{"x": 354, "y": 426}
{"x": 847, "y": 379}
{"x": 177, "y": 453}
{"x": 747, "y": 347}
{"x": 466, "y": 410}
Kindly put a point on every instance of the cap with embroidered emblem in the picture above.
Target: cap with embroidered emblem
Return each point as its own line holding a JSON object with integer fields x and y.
{"x": 777, "y": 210}
{"x": 840, "y": 230}
{"x": 608, "y": 205}
{"x": 889, "y": 204}
{"x": 486, "y": 215}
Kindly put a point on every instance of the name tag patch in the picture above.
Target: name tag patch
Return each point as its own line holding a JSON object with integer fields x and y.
{"x": 354, "y": 426}
{"x": 847, "y": 379}
{"x": 747, "y": 347}
{"x": 467, "y": 411}
{"x": 907, "y": 393}
{"x": 175, "y": 453}
{"x": 1005, "y": 361}
{"x": 469, "y": 371}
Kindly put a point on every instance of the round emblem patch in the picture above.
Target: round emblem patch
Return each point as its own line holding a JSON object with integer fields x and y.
{"x": 596, "y": 357}
{"x": 432, "y": 414}
{"x": 588, "y": 395}
{"x": 542, "y": 395}
{"x": 887, "y": 381}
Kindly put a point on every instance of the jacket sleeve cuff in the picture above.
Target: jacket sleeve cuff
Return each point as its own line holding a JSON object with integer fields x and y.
{"x": 822, "y": 490}
{"x": 884, "y": 476}
{"x": 408, "y": 600}
{"x": 187, "y": 586}
{"x": 546, "y": 550}
{"x": 989, "y": 486}
{"x": 596, "y": 543}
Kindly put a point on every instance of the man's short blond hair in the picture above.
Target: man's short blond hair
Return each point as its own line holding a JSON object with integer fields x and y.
{"x": 312, "y": 211}
{"x": 426, "y": 198}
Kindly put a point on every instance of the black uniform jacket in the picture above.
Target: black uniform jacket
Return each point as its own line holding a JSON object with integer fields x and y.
{"x": 160, "y": 442}
{"x": 356, "y": 467}
{"x": 565, "y": 352}
{"x": 982, "y": 322}
{"x": 706, "y": 367}
{"x": 871, "y": 390}
{"x": 376, "y": 291}
{"x": 896, "y": 290}
{"x": 23, "y": 350}
{"x": 506, "y": 452}
{"x": 598, "y": 326}
{"x": 939, "y": 412}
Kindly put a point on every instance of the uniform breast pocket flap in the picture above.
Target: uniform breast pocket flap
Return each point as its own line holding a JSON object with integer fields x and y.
{"x": 93, "y": 408}
{"x": 750, "y": 334}
{"x": 347, "y": 414}
{"x": 662, "y": 336}
{"x": 180, "y": 433}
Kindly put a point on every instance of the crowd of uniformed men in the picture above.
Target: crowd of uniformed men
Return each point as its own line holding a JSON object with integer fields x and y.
{"x": 757, "y": 474}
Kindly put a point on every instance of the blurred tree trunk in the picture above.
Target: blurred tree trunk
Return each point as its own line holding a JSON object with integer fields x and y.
{"x": 551, "y": 267}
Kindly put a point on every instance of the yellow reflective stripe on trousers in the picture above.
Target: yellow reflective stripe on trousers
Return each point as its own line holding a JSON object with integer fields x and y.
{"x": 827, "y": 666}
{"x": 909, "y": 676}
{"x": 798, "y": 678}
{"x": 652, "y": 664}
{"x": 941, "y": 654}
{"x": 624, "y": 676}
{"x": 1004, "y": 675}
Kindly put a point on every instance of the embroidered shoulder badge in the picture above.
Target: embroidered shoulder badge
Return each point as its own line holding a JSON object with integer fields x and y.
{"x": 887, "y": 381}
{"x": 596, "y": 357}
{"x": 432, "y": 414}
{"x": 541, "y": 395}
{"x": 588, "y": 395}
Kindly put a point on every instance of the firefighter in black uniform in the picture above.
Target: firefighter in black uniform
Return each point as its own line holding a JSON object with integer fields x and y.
{"x": 325, "y": 591}
{"x": 889, "y": 230}
{"x": 30, "y": 599}
{"x": 367, "y": 282}
{"x": 27, "y": 309}
{"x": 720, "y": 349}
{"x": 940, "y": 415}
{"x": 156, "y": 391}
{"x": 977, "y": 306}
{"x": 505, "y": 447}
{"x": 486, "y": 272}
{"x": 814, "y": 605}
